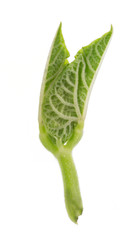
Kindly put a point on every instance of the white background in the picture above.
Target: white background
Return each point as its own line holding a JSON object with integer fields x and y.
{"x": 31, "y": 189}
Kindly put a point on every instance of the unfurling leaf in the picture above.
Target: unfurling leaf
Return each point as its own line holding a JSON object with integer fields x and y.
{"x": 64, "y": 96}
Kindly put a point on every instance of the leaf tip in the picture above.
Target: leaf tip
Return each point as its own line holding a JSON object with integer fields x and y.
{"x": 111, "y": 29}
{"x": 60, "y": 25}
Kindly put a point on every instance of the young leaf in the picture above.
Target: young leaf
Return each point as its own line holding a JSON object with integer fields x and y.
{"x": 64, "y": 96}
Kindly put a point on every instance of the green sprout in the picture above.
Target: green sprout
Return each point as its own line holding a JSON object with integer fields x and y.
{"x": 64, "y": 96}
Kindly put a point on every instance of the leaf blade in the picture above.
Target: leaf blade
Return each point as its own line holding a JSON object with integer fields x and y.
{"x": 65, "y": 102}
{"x": 57, "y": 59}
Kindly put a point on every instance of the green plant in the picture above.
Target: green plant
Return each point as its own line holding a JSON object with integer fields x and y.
{"x": 64, "y": 96}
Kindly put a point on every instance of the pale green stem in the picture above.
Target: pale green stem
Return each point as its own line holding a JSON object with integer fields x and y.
{"x": 72, "y": 194}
